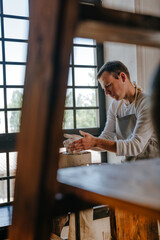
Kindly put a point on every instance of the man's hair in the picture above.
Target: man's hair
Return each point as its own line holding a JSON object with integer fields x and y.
{"x": 115, "y": 68}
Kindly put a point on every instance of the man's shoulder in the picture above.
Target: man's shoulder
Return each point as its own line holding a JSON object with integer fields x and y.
{"x": 143, "y": 100}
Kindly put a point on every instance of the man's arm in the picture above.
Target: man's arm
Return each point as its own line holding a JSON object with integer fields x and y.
{"x": 91, "y": 142}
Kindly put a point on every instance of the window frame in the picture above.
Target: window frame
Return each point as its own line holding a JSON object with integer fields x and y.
{"x": 8, "y": 140}
{"x": 101, "y": 96}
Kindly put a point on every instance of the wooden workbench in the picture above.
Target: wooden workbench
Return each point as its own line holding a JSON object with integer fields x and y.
{"x": 131, "y": 186}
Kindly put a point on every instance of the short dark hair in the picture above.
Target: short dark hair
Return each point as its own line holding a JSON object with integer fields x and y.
{"x": 114, "y": 67}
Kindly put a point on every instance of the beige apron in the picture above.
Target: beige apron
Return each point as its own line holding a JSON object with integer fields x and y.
{"x": 124, "y": 129}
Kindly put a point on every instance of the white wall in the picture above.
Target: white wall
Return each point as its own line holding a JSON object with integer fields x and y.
{"x": 147, "y": 57}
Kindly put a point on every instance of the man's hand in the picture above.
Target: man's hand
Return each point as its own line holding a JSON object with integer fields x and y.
{"x": 70, "y": 140}
{"x": 85, "y": 143}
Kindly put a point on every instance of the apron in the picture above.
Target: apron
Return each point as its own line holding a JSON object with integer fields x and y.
{"x": 124, "y": 129}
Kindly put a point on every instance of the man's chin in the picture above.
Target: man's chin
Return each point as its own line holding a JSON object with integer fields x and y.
{"x": 115, "y": 97}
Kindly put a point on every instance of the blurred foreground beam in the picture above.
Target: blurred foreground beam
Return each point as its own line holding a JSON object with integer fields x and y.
{"x": 104, "y": 24}
{"x": 52, "y": 26}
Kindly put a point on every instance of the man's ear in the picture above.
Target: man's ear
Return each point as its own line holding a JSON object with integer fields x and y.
{"x": 123, "y": 76}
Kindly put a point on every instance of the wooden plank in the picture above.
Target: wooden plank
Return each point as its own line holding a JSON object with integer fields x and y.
{"x": 105, "y": 24}
{"x": 52, "y": 28}
{"x": 133, "y": 226}
{"x": 131, "y": 186}
{"x": 113, "y": 226}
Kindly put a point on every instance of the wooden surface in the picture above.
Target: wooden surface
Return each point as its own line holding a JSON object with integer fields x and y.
{"x": 131, "y": 186}
{"x": 52, "y": 26}
{"x": 133, "y": 226}
{"x": 105, "y": 24}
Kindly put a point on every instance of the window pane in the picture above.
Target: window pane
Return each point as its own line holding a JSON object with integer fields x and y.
{"x": 15, "y": 74}
{"x": 84, "y": 41}
{"x": 87, "y": 118}
{"x": 69, "y": 98}
{"x": 2, "y": 123}
{"x": 3, "y": 191}
{"x": 16, "y": 28}
{"x": 12, "y": 163}
{"x": 14, "y": 121}
{"x": 68, "y": 119}
{"x": 0, "y": 50}
{"x": 85, "y": 76}
{"x": 16, "y": 52}
{"x": 84, "y": 56}
{"x": 3, "y": 167}
{"x": 86, "y": 97}
{"x": 1, "y": 98}
{"x": 12, "y": 184}
{"x": 16, "y": 7}
{"x": 14, "y": 97}
{"x": 1, "y": 75}
{"x": 70, "y": 77}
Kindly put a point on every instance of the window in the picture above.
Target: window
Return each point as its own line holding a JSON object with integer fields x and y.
{"x": 14, "y": 24}
{"x": 85, "y": 100}
{"x": 85, "y": 106}
{"x": 82, "y": 108}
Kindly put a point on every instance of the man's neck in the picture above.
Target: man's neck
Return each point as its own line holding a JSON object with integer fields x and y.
{"x": 130, "y": 95}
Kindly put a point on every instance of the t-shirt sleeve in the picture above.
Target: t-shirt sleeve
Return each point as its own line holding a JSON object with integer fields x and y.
{"x": 141, "y": 134}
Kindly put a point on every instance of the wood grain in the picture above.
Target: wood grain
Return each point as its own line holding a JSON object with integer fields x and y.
{"x": 105, "y": 24}
{"x": 133, "y": 226}
{"x": 132, "y": 186}
{"x": 52, "y": 26}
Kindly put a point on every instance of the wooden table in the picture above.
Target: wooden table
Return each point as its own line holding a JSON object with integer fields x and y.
{"x": 133, "y": 186}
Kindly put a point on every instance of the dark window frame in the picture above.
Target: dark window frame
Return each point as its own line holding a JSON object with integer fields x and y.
{"x": 101, "y": 96}
{"x": 8, "y": 140}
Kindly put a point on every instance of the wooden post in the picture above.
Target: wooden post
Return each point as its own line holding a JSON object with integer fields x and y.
{"x": 52, "y": 28}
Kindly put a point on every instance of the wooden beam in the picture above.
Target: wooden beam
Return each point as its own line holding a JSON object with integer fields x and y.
{"x": 105, "y": 24}
{"x": 131, "y": 186}
{"x": 52, "y": 27}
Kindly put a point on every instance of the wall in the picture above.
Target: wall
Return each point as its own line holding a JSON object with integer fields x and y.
{"x": 147, "y": 57}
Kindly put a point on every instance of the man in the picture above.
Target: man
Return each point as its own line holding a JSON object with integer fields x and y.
{"x": 128, "y": 131}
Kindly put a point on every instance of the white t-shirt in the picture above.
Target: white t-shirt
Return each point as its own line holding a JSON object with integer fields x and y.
{"x": 142, "y": 132}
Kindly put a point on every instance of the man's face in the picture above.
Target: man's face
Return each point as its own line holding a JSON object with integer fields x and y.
{"x": 114, "y": 87}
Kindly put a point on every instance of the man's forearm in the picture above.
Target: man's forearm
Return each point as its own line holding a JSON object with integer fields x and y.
{"x": 106, "y": 145}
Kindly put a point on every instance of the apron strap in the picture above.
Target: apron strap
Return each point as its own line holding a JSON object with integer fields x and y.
{"x": 138, "y": 90}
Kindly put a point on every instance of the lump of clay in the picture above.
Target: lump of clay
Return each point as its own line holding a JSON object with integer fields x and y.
{"x": 71, "y": 139}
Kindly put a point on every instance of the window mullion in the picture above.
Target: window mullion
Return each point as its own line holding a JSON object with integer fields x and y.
{"x": 73, "y": 84}
{"x": 8, "y": 180}
{"x": 4, "y": 67}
